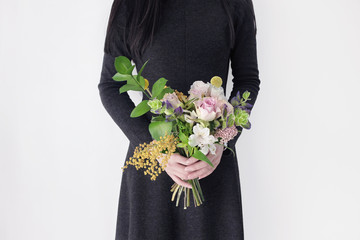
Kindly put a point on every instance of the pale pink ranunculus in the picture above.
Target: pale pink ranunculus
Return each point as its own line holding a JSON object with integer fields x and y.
{"x": 207, "y": 108}
{"x": 172, "y": 98}
{"x": 199, "y": 89}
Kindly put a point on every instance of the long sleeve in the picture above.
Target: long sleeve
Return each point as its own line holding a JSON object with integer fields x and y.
{"x": 119, "y": 106}
{"x": 244, "y": 57}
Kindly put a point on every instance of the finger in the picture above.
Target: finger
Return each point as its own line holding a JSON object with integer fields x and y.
{"x": 199, "y": 173}
{"x": 196, "y": 166}
{"x": 180, "y": 159}
{"x": 180, "y": 182}
{"x": 180, "y": 174}
{"x": 191, "y": 160}
{"x": 179, "y": 168}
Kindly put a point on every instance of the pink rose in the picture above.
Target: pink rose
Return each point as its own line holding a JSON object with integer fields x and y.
{"x": 207, "y": 108}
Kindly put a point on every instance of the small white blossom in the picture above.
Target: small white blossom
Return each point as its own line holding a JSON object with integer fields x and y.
{"x": 203, "y": 139}
{"x": 217, "y": 92}
{"x": 190, "y": 118}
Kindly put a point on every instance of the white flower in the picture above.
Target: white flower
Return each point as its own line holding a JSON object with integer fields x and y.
{"x": 172, "y": 99}
{"x": 190, "y": 118}
{"x": 217, "y": 92}
{"x": 205, "y": 149}
{"x": 203, "y": 139}
{"x": 199, "y": 89}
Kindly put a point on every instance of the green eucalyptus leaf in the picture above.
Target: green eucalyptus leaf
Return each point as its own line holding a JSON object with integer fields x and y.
{"x": 159, "y": 129}
{"x": 181, "y": 145}
{"x": 157, "y": 118}
{"x": 142, "y": 68}
{"x": 130, "y": 70}
{"x": 158, "y": 87}
{"x": 190, "y": 149}
{"x": 165, "y": 90}
{"x": 199, "y": 155}
{"x": 141, "y": 80}
{"x": 140, "y": 109}
{"x": 128, "y": 87}
{"x": 132, "y": 81}
{"x": 183, "y": 137}
{"x": 122, "y": 64}
{"x": 121, "y": 77}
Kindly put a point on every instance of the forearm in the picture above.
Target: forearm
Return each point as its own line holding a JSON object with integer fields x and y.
{"x": 119, "y": 106}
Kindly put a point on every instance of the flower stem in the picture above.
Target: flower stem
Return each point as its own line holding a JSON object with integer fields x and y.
{"x": 199, "y": 188}
{"x": 185, "y": 198}
{"x": 188, "y": 197}
{"x": 179, "y": 194}
{"x": 141, "y": 87}
{"x": 194, "y": 193}
{"x": 175, "y": 191}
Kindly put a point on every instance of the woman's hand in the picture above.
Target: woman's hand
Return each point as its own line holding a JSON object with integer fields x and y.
{"x": 202, "y": 169}
{"x": 175, "y": 168}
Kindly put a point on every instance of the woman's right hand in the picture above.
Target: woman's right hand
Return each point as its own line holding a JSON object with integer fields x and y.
{"x": 175, "y": 168}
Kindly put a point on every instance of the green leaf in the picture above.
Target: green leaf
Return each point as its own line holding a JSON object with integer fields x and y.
{"x": 183, "y": 137}
{"x": 128, "y": 87}
{"x": 165, "y": 90}
{"x": 132, "y": 81}
{"x": 121, "y": 77}
{"x": 199, "y": 155}
{"x": 142, "y": 68}
{"x": 229, "y": 149}
{"x": 181, "y": 145}
{"x": 157, "y": 118}
{"x": 159, "y": 129}
{"x": 141, "y": 80}
{"x": 190, "y": 149}
{"x": 246, "y": 95}
{"x": 130, "y": 70}
{"x": 140, "y": 109}
{"x": 158, "y": 87}
{"x": 122, "y": 64}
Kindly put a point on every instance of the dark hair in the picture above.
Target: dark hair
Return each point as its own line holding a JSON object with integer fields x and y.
{"x": 142, "y": 20}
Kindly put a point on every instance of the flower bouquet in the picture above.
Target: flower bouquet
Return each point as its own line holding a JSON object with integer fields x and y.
{"x": 188, "y": 125}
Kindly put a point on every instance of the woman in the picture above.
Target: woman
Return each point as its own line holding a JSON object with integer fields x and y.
{"x": 185, "y": 41}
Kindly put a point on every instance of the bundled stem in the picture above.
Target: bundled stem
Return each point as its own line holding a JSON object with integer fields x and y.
{"x": 197, "y": 194}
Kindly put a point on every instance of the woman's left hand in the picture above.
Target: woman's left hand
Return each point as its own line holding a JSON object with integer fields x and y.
{"x": 202, "y": 169}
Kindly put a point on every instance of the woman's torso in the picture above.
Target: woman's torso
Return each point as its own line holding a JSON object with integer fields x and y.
{"x": 192, "y": 43}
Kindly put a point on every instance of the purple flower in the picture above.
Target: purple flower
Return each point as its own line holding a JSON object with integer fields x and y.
{"x": 168, "y": 104}
{"x": 179, "y": 110}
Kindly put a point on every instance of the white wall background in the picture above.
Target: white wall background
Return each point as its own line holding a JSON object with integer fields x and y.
{"x": 61, "y": 154}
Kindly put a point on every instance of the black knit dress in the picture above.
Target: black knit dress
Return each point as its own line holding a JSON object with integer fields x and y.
{"x": 192, "y": 43}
